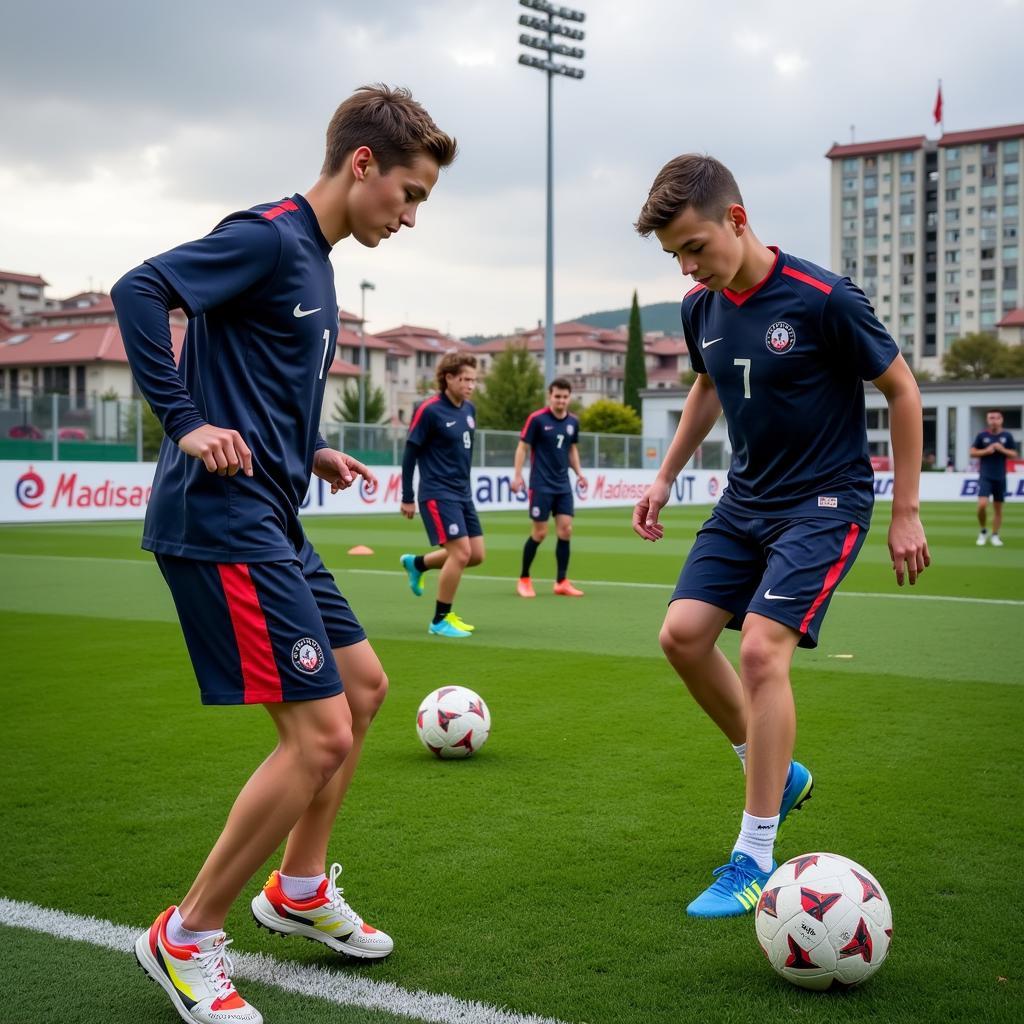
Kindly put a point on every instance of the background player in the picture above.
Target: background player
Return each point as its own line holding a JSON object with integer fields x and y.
{"x": 782, "y": 346}
{"x": 551, "y": 436}
{"x": 262, "y": 617}
{"x": 440, "y": 441}
{"x": 991, "y": 448}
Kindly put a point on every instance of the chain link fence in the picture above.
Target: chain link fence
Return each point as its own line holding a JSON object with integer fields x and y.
{"x": 56, "y": 427}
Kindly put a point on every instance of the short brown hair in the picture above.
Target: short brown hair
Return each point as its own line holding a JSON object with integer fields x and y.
{"x": 561, "y": 383}
{"x": 694, "y": 180}
{"x": 391, "y": 123}
{"x": 451, "y": 364}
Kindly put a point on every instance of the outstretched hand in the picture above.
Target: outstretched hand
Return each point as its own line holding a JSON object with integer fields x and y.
{"x": 908, "y": 548}
{"x": 340, "y": 470}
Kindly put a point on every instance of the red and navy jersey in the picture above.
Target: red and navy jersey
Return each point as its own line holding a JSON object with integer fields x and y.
{"x": 550, "y": 439}
{"x": 263, "y": 323}
{"x": 788, "y": 359}
{"x": 442, "y": 435}
{"x": 993, "y": 467}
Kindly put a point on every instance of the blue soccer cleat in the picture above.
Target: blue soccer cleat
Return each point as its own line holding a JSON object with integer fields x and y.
{"x": 415, "y": 576}
{"x": 799, "y": 783}
{"x": 735, "y": 890}
{"x": 447, "y": 627}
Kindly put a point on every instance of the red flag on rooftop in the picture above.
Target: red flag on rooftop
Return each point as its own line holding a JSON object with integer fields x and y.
{"x": 938, "y": 104}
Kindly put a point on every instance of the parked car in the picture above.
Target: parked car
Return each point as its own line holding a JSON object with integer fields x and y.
{"x": 25, "y": 432}
{"x": 71, "y": 434}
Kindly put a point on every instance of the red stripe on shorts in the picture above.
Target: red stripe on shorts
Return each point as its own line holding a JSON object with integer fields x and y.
{"x": 438, "y": 525}
{"x": 260, "y": 677}
{"x": 832, "y": 576}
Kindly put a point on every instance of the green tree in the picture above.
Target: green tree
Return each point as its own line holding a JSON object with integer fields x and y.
{"x": 1011, "y": 362}
{"x": 346, "y": 406}
{"x": 973, "y": 357}
{"x": 608, "y": 417}
{"x": 513, "y": 388}
{"x": 636, "y": 369}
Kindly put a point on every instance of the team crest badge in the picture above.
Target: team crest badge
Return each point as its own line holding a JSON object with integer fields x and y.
{"x": 780, "y": 338}
{"x": 570, "y": 430}
{"x": 471, "y": 422}
{"x": 307, "y": 655}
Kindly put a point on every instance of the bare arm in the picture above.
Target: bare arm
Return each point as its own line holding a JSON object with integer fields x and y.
{"x": 574, "y": 462}
{"x": 908, "y": 547}
{"x": 517, "y": 466}
{"x": 701, "y": 410}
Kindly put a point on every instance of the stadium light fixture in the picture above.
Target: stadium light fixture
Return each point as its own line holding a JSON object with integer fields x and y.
{"x": 551, "y": 47}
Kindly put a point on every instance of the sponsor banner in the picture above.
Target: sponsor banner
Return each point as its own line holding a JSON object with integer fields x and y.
{"x": 61, "y": 491}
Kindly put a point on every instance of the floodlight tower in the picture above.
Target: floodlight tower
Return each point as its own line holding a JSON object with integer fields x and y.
{"x": 551, "y": 28}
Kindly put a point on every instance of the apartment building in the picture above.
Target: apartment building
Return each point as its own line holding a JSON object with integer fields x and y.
{"x": 930, "y": 229}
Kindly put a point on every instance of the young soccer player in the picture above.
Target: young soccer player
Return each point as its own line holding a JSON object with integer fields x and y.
{"x": 263, "y": 619}
{"x": 440, "y": 441}
{"x": 992, "y": 447}
{"x": 551, "y": 436}
{"x": 783, "y": 347}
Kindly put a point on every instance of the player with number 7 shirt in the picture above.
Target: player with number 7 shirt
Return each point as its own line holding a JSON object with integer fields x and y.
{"x": 782, "y": 347}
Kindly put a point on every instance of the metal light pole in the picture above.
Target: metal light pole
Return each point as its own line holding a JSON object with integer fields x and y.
{"x": 364, "y": 287}
{"x": 551, "y": 28}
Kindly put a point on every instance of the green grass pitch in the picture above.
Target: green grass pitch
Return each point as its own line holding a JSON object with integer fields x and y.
{"x": 548, "y": 874}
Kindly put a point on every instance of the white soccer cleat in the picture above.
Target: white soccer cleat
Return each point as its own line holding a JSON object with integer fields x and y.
{"x": 997, "y": 541}
{"x": 196, "y": 977}
{"x": 982, "y": 540}
{"x": 325, "y": 918}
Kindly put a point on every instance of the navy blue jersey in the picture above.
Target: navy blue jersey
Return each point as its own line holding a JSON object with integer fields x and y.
{"x": 441, "y": 434}
{"x": 550, "y": 439}
{"x": 993, "y": 467}
{"x": 788, "y": 359}
{"x": 263, "y": 322}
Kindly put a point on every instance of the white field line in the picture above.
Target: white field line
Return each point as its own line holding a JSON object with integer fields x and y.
{"x": 909, "y": 594}
{"x": 307, "y": 980}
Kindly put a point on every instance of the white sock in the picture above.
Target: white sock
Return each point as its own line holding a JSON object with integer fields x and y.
{"x": 757, "y": 839}
{"x": 182, "y": 936}
{"x": 741, "y": 753}
{"x": 300, "y": 887}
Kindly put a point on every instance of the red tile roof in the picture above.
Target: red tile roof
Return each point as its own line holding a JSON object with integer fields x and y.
{"x": 7, "y": 275}
{"x": 868, "y": 148}
{"x": 104, "y": 307}
{"x": 1007, "y": 131}
{"x": 420, "y": 339}
{"x": 1015, "y": 318}
{"x": 90, "y": 343}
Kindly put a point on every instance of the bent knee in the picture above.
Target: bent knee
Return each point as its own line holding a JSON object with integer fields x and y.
{"x": 682, "y": 642}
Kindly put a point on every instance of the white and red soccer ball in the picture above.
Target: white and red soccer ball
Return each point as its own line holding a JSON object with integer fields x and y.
{"x": 453, "y": 722}
{"x": 823, "y": 920}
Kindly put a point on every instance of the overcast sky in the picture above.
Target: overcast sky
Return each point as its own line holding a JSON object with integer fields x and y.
{"x": 128, "y": 127}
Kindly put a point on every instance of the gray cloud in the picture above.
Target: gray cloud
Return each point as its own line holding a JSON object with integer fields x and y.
{"x": 225, "y": 104}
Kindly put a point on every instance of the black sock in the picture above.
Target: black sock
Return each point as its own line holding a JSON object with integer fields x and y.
{"x": 562, "y": 558}
{"x": 529, "y": 550}
{"x": 440, "y": 611}
{"x": 419, "y": 563}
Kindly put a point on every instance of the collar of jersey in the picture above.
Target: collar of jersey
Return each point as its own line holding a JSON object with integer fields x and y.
{"x": 738, "y": 298}
{"x": 314, "y": 225}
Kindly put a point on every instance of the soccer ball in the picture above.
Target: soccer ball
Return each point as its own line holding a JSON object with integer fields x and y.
{"x": 453, "y": 722}
{"x": 822, "y": 919}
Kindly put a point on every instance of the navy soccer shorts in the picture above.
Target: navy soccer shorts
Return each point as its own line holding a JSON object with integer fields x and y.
{"x": 784, "y": 569}
{"x": 448, "y": 520}
{"x": 545, "y": 503}
{"x": 996, "y": 489}
{"x": 262, "y": 632}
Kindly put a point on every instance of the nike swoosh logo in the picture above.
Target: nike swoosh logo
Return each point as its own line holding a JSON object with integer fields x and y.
{"x": 298, "y": 311}
{"x": 769, "y": 596}
{"x": 704, "y": 343}
{"x": 450, "y": 423}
